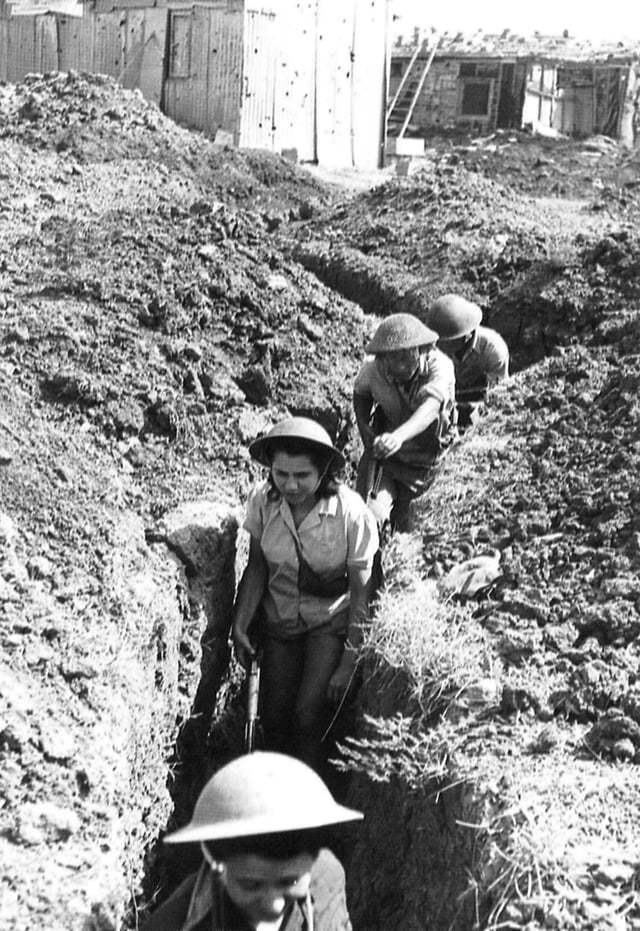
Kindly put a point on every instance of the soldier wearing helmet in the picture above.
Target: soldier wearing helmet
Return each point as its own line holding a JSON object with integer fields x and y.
{"x": 479, "y": 354}
{"x": 405, "y": 410}
{"x": 262, "y": 822}
{"x": 306, "y": 585}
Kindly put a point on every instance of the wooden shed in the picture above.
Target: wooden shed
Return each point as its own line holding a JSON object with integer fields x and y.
{"x": 305, "y": 76}
{"x": 486, "y": 82}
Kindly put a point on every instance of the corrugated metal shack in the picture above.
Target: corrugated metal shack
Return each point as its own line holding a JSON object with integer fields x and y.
{"x": 487, "y": 82}
{"x": 302, "y": 75}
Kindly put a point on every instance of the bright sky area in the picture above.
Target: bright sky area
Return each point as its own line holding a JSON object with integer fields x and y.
{"x": 593, "y": 19}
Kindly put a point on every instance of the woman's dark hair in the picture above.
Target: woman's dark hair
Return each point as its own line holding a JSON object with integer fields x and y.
{"x": 281, "y": 846}
{"x": 320, "y": 457}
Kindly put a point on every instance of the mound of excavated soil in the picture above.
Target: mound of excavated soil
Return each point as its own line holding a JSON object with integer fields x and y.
{"x": 91, "y": 119}
{"x": 150, "y": 329}
{"x": 155, "y": 318}
{"x": 543, "y": 270}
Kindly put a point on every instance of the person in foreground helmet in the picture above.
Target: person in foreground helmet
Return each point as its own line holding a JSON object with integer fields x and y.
{"x": 479, "y": 354}
{"x": 405, "y": 410}
{"x": 262, "y": 822}
{"x": 306, "y": 585}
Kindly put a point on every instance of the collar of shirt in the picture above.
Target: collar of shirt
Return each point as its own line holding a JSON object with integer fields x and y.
{"x": 468, "y": 348}
{"x": 321, "y": 507}
{"x": 406, "y": 386}
{"x": 208, "y": 896}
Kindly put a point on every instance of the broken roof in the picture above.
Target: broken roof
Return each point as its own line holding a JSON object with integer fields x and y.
{"x": 511, "y": 45}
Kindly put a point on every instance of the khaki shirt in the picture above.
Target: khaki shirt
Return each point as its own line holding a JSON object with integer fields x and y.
{"x": 434, "y": 379}
{"x": 484, "y": 362}
{"x": 338, "y": 534}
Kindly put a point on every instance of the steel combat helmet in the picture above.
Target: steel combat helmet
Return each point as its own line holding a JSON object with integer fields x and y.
{"x": 401, "y": 331}
{"x": 296, "y": 428}
{"x": 262, "y": 793}
{"x": 453, "y": 316}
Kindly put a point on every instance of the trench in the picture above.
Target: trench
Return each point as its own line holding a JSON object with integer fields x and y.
{"x": 532, "y": 317}
{"x": 409, "y": 863}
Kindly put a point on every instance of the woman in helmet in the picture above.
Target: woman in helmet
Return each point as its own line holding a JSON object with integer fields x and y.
{"x": 405, "y": 410}
{"x": 479, "y": 354}
{"x": 262, "y": 822}
{"x": 312, "y": 546}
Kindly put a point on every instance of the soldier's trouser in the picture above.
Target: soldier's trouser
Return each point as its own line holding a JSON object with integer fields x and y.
{"x": 294, "y": 711}
{"x": 398, "y": 486}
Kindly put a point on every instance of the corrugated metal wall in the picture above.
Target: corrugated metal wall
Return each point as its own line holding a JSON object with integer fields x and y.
{"x": 128, "y": 46}
{"x": 30, "y": 44}
{"x": 76, "y": 43}
{"x": 261, "y": 43}
{"x": 350, "y": 82}
{"x": 296, "y": 79}
{"x": 335, "y": 83}
{"x": 278, "y": 74}
{"x": 369, "y": 83}
{"x": 209, "y": 97}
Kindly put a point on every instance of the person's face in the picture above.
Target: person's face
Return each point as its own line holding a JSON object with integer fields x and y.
{"x": 295, "y": 477}
{"x": 451, "y": 346}
{"x": 400, "y": 364}
{"x": 262, "y": 887}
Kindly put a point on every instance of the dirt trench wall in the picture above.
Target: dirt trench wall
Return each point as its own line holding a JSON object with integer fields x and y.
{"x": 379, "y": 286}
{"x": 82, "y": 742}
{"x": 87, "y": 735}
{"x": 555, "y": 302}
{"x": 410, "y": 865}
{"x": 202, "y": 536}
{"x": 416, "y": 849}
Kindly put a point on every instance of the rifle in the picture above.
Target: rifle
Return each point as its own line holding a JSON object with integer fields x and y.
{"x": 372, "y": 479}
{"x": 252, "y": 712}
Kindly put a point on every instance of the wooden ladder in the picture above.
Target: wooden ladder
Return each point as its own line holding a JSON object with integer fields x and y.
{"x": 400, "y": 110}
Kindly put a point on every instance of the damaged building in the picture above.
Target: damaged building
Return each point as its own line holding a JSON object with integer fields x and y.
{"x": 546, "y": 84}
{"x": 303, "y": 77}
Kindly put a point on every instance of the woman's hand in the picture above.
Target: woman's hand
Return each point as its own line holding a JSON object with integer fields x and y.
{"x": 242, "y": 647}
{"x": 341, "y": 679}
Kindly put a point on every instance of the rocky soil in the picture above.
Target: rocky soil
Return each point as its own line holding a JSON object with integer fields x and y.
{"x": 162, "y": 300}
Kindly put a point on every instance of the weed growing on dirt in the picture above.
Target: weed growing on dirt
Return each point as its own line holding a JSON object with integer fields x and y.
{"x": 407, "y": 635}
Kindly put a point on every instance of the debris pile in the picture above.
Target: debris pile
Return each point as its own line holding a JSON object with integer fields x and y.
{"x": 155, "y": 320}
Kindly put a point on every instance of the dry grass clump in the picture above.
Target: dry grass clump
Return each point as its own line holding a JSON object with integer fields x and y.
{"x": 426, "y": 656}
{"x": 549, "y": 858}
{"x": 434, "y": 644}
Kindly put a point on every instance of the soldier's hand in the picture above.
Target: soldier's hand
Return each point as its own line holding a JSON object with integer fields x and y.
{"x": 386, "y": 445}
{"x": 242, "y": 647}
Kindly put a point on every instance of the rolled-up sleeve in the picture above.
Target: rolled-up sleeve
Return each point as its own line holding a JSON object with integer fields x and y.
{"x": 440, "y": 379}
{"x": 497, "y": 360}
{"x": 362, "y": 537}
{"x": 364, "y": 383}
{"x": 254, "y": 513}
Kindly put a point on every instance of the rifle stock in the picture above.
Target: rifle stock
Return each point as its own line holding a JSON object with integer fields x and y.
{"x": 252, "y": 712}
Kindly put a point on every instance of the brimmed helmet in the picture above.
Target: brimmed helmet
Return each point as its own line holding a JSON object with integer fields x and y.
{"x": 453, "y": 316}
{"x": 262, "y": 793}
{"x": 297, "y": 428}
{"x": 401, "y": 331}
